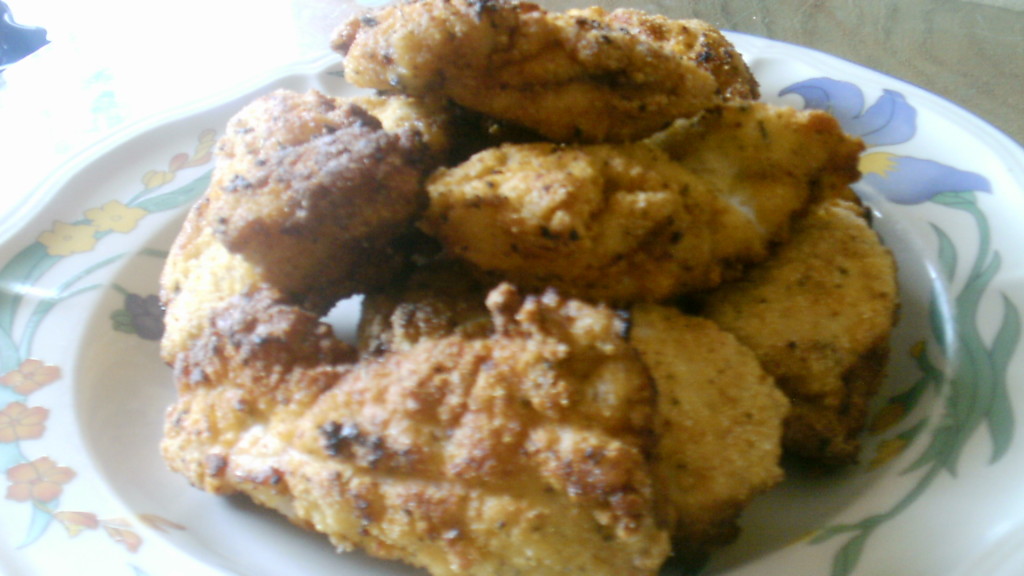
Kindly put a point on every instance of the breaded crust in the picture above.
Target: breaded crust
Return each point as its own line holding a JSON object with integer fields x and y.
{"x": 522, "y": 204}
{"x": 769, "y": 162}
{"x": 818, "y": 315}
{"x": 522, "y": 452}
{"x": 273, "y": 219}
{"x": 642, "y": 221}
{"x": 719, "y": 414}
{"x": 439, "y": 298}
{"x": 585, "y": 78}
{"x": 693, "y": 40}
{"x": 602, "y": 222}
{"x": 198, "y": 275}
{"x": 313, "y": 191}
{"x": 720, "y": 419}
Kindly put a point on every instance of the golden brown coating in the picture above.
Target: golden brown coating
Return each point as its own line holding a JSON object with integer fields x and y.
{"x": 603, "y": 222}
{"x": 437, "y": 299}
{"x": 584, "y": 78}
{"x": 523, "y": 452}
{"x": 198, "y": 276}
{"x": 693, "y": 40}
{"x": 312, "y": 190}
{"x": 262, "y": 141}
{"x": 818, "y": 315}
{"x": 646, "y": 220}
{"x": 429, "y": 119}
{"x": 498, "y": 415}
{"x": 769, "y": 162}
{"x": 719, "y": 425}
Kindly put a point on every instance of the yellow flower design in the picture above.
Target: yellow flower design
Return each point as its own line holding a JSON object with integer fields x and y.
{"x": 65, "y": 239}
{"x": 204, "y": 151}
{"x": 879, "y": 163}
{"x": 30, "y": 376}
{"x": 156, "y": 178}
{"x": 115, "y": 217}
{"x": 19, "y": 422}
{"x": 202, "y": 154}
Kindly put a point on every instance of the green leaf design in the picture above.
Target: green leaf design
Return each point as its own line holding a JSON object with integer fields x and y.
{"x": 10, "y": 453}
{"x": 947, "y": 257}
{"x": 961, "y": 199}
{"x": 1001, "y": 420}
{"x": 846, "y": 560}
{"x": 19, "y": 277}
{"x": 64, "y": 292}
{"x": 41, "y": 520}
{"x": 176, "y": 198}
{"x": 930, "y": 376}
{"x": 29, "y": 265}
{"x": 977, "y": 392}
{"x": 121, "y": 320}
{"x": 947, "y": 262}
{"x": 10, "y": 358}
{"x": 941, "y": 444}
{"x": 24, "y": 269}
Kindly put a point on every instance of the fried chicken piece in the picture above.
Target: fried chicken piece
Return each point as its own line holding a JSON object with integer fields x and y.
{"x": 522, "y": 452}
{"x": 602, "y": 222}
{"x": 573, "y": 76}
{"x": 769, "y": 162}
{"x": 439, "y": 298}
{"x": 430, "y": 119}
{"x": 198, "y": 275}
{"x": 693, "y": 40}
{"x": 818, "y": 315}
{"x": 244, "y": 233}
{"x": 719, "y": 415}
{"x": 631, "y": 221}
{"x": 719, "y": 425}
{"x": 312, "y": 190}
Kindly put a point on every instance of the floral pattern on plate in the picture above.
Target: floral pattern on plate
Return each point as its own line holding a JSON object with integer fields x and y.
{"x": 978, "y": 384}
{"x": 40, "y": 482}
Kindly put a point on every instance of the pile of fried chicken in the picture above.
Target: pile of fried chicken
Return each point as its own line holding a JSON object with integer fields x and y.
{"x": 604, "y": 291}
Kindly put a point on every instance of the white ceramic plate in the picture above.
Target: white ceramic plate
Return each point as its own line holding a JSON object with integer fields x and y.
{"x": 82, "y": 391}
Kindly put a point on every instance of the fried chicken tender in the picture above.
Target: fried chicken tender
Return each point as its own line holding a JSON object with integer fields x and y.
{"x": 312, "y": 190}
{"x": 719, "y": 414}
{"x": 693, "y": 40}
{"x": 198, "y": 275}
{"x": 602, "y": 222}
{"x": 241, "y": 234}
{"x": 769, "y": 162}
{"x": 641, "y": 221}
{"x": 440, "y": 298}
{"x": 818, "y": 315}
{"x": 522, "y": 452}
{"x": 570, "y": 76}
{"x": 430, "y": 119}
{"x": 719, "y": 425}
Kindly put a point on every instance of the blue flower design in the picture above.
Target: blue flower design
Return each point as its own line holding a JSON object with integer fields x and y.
{"x": 890, "y": 120}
